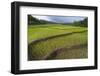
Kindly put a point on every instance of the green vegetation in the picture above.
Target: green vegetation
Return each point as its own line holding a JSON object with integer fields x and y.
{"x": 50, "y": 40}
{"x": 83, "y": 23}
{"x": 74, "y": 53}
{"x": 32, "y": 20}
{"x": 35, "y": 21}
{"x": 41, "y": 31}
{"x": 73, "y": 36}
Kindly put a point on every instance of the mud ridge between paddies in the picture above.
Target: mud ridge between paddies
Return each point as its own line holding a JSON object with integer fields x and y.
{"x": 51, "y": 37}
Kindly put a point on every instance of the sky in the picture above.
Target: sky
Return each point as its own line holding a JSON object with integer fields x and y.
{"x": 59, "y": 19}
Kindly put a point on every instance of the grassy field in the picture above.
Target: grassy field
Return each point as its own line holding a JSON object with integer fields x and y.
{"x": 56, "y": 41}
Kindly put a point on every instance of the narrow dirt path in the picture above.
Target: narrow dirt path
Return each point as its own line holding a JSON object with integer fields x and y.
{"x": 59, "y": 50}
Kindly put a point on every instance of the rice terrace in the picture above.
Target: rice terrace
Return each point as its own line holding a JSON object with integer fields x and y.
{"x": 57, "y": 37}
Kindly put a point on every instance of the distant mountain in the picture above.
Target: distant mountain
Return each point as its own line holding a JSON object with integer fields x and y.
{"x": 34, "y": 21}
{"x": 44, "y": 21}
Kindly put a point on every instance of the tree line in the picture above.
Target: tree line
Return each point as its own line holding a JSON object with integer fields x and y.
{"x": 82, "y": 23}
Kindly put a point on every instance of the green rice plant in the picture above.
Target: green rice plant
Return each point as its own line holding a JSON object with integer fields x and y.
{"x": 41, "y": 31}
{"x": 75, "y": 53}
{"x": 40, "y": 49}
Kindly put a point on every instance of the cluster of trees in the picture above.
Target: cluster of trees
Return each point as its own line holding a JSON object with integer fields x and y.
{"x": 83, "y": 23}
{"x": 32, "y": 20}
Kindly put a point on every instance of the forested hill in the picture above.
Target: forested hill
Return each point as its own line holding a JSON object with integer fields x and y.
{"x": 82, "y": 23}
{"x": 32, "y": 20}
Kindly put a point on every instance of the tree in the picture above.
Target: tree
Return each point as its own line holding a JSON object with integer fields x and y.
{"x": 83, "y": 23}
{"x": 32, "y": 20}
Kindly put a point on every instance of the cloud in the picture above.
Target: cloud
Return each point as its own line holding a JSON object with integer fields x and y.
{"x": 60, "y": 19}
{"x": 42, "y": 17}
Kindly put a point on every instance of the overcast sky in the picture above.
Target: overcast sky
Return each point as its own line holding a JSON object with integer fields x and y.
{"x": 60, "y": 19}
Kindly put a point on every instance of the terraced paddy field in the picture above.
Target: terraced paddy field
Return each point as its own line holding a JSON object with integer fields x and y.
{"x": 56, "y": 41}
